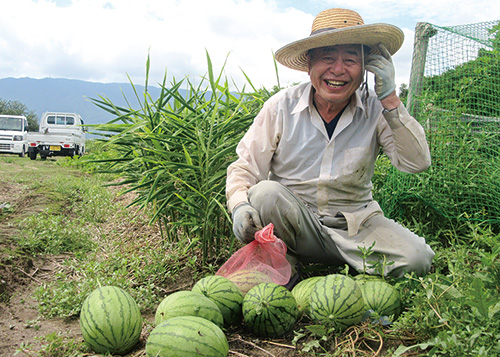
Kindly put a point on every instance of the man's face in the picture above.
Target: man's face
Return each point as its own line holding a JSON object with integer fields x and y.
{"x": 336, "y": 72}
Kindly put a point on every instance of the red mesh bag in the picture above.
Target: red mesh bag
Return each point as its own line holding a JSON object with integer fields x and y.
{"x": 266, "y": 254}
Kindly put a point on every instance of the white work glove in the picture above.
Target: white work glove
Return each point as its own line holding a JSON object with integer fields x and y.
{"x": 246, "y": 222}
{"x": 381, "y": 65}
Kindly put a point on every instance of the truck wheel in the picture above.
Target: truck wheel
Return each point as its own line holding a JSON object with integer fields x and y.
{"x": 43, "y": 157}
{"x": 32, "y": 155}
{"x": 22, "y": 153}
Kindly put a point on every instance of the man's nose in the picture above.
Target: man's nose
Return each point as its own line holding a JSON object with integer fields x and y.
{"x": 337, "y": 67}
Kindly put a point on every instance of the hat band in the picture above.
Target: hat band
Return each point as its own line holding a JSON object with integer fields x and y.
{"x": 322, "y": 30}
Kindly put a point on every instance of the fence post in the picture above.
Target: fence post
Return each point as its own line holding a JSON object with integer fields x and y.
{"x": 423, "y": 32}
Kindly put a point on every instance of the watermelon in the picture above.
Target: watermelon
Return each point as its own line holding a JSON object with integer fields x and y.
{"x": 187, "y": 336}
{"x": 269, "y": 310}
{"x": 247, "y": 279}
{"x": 110, "y": 321}
{"x": 224, "y": 293}
{"x": 302, "y": 291}
{"x": 337, "y": 301}
{"x": 186, "y": 302}
{"x": 381, "y": 298}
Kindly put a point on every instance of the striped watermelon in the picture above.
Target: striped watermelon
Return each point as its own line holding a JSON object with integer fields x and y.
{"x": 182, "y": 303}
{"x": 302, "y": 291}
{"x": 110, "y": 321}
{"x": 247, "y": 279}
{"x": 187, "y": 336}
{"x": 337, "y": 300}
{"x": 226, "y": 295}
{"x": 269, "y": 310}
{"x": 381, "y": 297}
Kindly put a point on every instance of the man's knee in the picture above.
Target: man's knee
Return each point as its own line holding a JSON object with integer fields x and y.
{"x": 264, "y": 188}
{"x": 418, "y": 261}
{"x": 265, "y": 194}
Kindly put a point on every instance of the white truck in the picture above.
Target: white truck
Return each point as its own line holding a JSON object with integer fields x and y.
{"x": 60, "y": 134}
{"x": 13, "y": 134}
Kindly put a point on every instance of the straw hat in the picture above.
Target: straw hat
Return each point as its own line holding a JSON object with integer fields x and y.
{"x": 339, "y": 27}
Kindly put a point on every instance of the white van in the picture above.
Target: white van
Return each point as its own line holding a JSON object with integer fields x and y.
{"x": 13, "y": 134}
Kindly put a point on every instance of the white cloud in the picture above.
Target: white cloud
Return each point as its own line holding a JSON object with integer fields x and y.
{"x": 106, "y": 40}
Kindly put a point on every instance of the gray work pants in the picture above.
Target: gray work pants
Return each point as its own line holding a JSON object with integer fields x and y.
{"x": 310, "y": 239}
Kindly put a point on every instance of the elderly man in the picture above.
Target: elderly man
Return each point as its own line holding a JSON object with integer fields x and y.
{"x": 306, "y": 162}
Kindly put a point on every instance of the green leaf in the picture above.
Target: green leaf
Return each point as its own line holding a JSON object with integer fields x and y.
{"x": 479, "y": 298}
{"x": 318, "y": 330}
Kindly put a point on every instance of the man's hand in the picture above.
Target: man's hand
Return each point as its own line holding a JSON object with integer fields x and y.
{"x": 381, "y": 65}
{"x": 246, "y": 222}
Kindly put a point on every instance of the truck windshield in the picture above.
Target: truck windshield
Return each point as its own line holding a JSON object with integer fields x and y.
{"x": 60, "y": 120}
{"x": 11, "y": 124}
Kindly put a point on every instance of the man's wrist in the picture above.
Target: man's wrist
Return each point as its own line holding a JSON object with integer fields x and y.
{"x": 385, "y": 111}
{"x": 239, "y": 205}
{"x": 391, "y": 102}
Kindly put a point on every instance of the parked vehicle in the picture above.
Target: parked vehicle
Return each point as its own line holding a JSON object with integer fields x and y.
{"x": 60, "y": 134}
{"x": 13, "y": 134}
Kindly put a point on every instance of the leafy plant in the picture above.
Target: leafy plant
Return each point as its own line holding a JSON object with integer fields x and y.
{"x": 174, "y": 152}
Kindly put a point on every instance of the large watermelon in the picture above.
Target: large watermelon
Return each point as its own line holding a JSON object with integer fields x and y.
{"x": 182, "y": 303}
{"x": 336, "y": 300}
{"x": 247, "y": 279}
{"x": 381, "y": 298}
{"x": 110, "y": 321}
{"x": 269, "y": 310}
{"x": 302, "y": 291}
{"x": 187, "y": 336}
{"x": 226, "y": 295}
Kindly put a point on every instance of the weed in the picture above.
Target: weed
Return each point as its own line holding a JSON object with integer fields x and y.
{"x": 50, "y": 233}
{"x": 55, "y": 344}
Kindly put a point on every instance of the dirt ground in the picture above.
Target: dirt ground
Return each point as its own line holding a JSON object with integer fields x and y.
{"x": 20, "y": 275}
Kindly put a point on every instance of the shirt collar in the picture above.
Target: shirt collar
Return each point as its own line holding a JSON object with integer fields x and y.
{"x": 305, "y": 100}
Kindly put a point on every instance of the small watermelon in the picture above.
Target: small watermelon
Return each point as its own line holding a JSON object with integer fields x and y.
{"x": 302, "y": 291}
{"x": 187, "y": 336}
{"x": 269, "y": 310}
{"x": 110, "y": 321}
{"x": 247, "y": 279}
{"x": 336, "y": 300}
{"x": 226, "y": 295}
{"x": 182, "y": 303}
{"x": 381, "y": 297}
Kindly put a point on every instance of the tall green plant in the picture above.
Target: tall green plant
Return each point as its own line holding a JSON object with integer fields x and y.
{"x": 174, "y": 152}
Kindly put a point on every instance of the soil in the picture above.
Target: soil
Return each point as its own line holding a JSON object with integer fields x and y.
{"x": 22, "y": 329}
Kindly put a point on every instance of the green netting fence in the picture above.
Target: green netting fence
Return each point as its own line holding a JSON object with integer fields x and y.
{"x": 454, "y": 93}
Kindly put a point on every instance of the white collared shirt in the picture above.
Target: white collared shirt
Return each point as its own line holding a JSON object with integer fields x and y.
{"x": 288, "y": 143}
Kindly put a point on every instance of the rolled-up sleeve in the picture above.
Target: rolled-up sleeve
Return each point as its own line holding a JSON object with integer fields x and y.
{"x": 403, "y": 140}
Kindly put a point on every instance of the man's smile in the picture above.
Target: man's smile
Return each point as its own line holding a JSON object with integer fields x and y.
{"x": 334, "y": 84}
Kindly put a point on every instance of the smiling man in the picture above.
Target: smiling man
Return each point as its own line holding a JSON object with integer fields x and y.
{"x": 306, "y": 162}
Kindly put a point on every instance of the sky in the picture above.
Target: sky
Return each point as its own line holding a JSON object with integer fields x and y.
{"x": 110, "y": 40}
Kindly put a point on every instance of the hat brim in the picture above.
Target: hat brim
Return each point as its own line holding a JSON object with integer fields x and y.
{"x": 294, "y": 55}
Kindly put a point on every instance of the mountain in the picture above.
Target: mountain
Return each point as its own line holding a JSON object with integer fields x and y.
{"x": 70, "y": 95}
